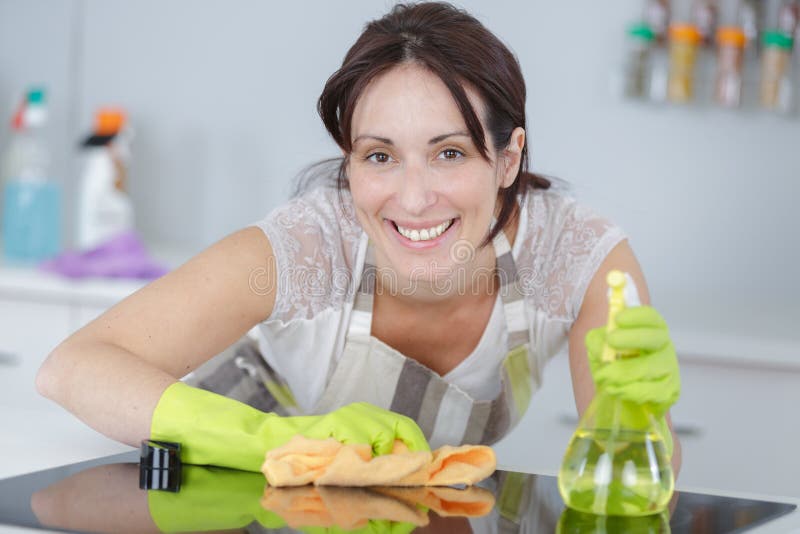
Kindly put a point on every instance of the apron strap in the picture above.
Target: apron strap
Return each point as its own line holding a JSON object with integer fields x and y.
{"x": 511, "y": 294}
{"x": 361, "y": 317}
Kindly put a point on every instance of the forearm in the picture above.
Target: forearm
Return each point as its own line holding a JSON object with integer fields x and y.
{"x": 109, "y": 388}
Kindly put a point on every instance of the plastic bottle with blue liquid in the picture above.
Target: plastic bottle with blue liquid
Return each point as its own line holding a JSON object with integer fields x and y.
{"x": 31, "y": 224}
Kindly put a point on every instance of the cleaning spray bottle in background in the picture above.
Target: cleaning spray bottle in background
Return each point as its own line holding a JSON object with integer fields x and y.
{"x": 104, "y": 208}
{"x": 31, "y": 199}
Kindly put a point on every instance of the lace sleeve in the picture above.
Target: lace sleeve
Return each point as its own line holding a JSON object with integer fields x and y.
{"x": 314, "y": 238}
{"x": 564, "y": 245}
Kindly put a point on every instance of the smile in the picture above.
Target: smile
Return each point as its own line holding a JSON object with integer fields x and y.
{"x": 424, "y": 234}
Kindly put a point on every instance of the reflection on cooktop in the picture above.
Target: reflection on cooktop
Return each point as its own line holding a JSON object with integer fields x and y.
{"x": 104, "y": 496}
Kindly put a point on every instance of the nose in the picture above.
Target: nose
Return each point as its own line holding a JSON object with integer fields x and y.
{"x": 415, "y": 192}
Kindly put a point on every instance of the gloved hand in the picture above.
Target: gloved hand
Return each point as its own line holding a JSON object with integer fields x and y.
{"x": 650, "y": 378}
{"x": 216, "y": 430}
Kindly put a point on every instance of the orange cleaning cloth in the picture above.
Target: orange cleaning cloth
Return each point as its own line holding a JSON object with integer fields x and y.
{"x": 331, "y": 463}
{"x": 352, "y": 508}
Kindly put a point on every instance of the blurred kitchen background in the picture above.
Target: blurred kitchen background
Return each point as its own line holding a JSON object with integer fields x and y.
{"x": 220, "y": 97}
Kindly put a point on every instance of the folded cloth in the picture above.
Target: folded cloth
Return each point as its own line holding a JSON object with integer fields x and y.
{"x": 122, "y": 256}
{"x": 332, "y": 463}
{"x": 351, "y": 508}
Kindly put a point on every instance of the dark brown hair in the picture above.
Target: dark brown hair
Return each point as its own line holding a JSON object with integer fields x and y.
{"x": 460, "y": 51}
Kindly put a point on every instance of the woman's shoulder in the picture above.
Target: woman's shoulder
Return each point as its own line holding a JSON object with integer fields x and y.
{"x": 315, "y": 238}
{"x": 551, "y": 216}
{"x": 322, "y": 208}
{"x": 562, "y": 243}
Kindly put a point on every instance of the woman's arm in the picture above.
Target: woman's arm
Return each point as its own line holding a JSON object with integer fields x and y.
{"x": 112, "y": 372}
{"x": 594, "y": 313}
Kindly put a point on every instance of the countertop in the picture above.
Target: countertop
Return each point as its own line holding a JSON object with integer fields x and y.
{"x": 103, "y": 494}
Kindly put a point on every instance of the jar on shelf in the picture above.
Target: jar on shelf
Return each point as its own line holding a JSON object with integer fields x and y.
{"x": 730, "y": 60}
{"x": 776, "y": 85}
{"x": 637, "y": 62}
{"x": 684, "y": 40}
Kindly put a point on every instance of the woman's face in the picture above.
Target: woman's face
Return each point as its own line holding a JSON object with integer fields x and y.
{"x": 421, "y": 189}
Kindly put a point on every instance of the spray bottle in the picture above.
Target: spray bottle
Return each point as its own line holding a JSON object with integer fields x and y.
{"x": 104, "y": 207}
{"x": 616, "y": 463}
{"x": 31, "y": 200}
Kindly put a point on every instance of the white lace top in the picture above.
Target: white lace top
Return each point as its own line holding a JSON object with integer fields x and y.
{"x": 319, "y": 248}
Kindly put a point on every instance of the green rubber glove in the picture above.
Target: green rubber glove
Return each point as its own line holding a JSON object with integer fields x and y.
{"x": 650, "y": 378}
{"x": 216, "y": 430}
{"x": 212, "y": 498}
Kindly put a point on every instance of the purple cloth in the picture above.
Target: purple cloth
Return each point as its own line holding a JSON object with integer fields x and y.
{"x": 122, "y": 256}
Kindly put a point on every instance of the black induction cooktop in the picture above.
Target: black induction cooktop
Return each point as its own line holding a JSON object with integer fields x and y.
{"x": 104, "y": 495}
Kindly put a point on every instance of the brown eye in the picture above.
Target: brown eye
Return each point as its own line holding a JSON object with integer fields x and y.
{"x": 379, "y": 157}
{"x": 450, "y": 153}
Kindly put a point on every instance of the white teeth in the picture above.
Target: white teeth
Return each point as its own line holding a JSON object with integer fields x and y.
{"x": 425, "y": 234}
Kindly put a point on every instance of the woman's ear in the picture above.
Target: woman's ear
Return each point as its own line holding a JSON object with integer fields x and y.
{"x": 512, "y": 157}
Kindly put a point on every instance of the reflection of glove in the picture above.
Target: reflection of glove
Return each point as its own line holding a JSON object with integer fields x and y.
{"x": 650, "y": 378}
{"x": 216, "y": 430}
{"x": 212, "y": 498}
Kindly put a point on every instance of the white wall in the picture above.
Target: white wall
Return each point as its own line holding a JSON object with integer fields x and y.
{"x": 222, "y": 96}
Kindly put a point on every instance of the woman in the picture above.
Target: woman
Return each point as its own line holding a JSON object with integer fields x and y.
{"x": 435, "y": 280}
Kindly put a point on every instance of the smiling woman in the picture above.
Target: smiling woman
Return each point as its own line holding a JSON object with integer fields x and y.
{"x": 418, "y": 299}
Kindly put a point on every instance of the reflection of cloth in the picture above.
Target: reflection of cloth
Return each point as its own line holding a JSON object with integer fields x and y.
{"x": 122, "y": 256}
{"x": 350, "y": 508}
{"x": 331, "y": 463}
{"x": 526, "y": 504}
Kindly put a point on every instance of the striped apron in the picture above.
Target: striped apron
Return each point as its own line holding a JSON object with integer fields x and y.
{"x": 372, "y": 371}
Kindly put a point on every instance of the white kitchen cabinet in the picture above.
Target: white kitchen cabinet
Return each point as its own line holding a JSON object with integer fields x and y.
{"x": 29, "y": 330}
{"x": 37, "y": 312}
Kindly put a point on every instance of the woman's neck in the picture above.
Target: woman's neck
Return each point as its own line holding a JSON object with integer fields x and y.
{"x": 465, "y": 284}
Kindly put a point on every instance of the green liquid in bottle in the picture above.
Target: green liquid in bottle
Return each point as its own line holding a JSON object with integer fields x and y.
{"x": 616, "y": 472}
{"x": 574, "y": 522}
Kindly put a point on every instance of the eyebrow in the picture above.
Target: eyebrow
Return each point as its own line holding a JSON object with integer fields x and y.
{"x": 431, "y": 141}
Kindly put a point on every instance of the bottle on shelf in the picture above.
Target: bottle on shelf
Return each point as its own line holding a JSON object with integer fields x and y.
{"x": 776, "y": 82}
{"x": 684, "y": 40}
{"x": 730, "y": 64}
{"x": 31, "y": 199}
{"x": 637, "y": 63}
{"x": 616, "y": 463}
